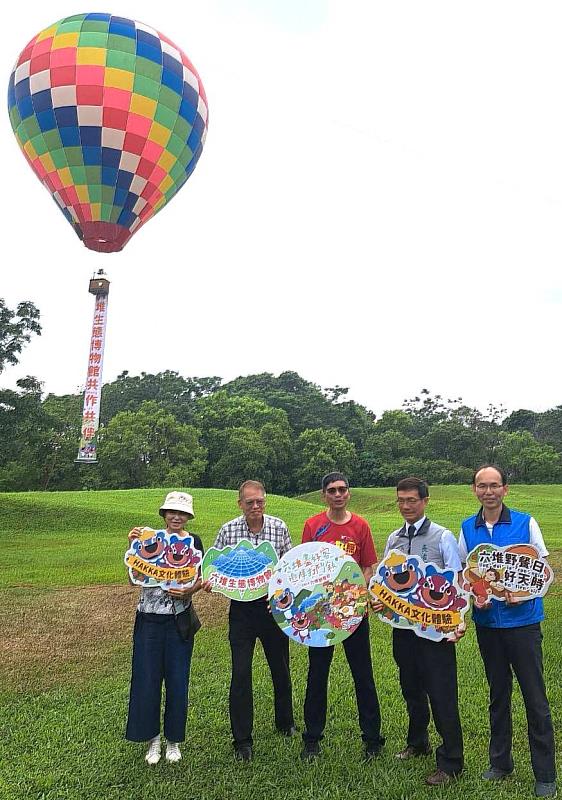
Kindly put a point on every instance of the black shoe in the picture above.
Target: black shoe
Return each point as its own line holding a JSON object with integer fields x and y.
{"x": 310, "y": 751}
{"x": 543, "y": 789}
{"x": 495, "y": 774}
{"x": 372, "y": 751}
{"x": 290, "y": 731}
{"x": 243, "y": 753}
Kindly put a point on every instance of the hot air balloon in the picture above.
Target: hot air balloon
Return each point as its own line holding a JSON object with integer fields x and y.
{"x": 112, "y": 117}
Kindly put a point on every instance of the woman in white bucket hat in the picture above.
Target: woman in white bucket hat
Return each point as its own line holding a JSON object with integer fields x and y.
{"x": 160, "y": 654}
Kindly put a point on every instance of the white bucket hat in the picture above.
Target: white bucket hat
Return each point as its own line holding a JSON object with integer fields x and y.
{"x": 178, "y": 501}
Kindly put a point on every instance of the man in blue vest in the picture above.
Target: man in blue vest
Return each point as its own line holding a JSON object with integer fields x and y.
{"x": 509, "y": 637}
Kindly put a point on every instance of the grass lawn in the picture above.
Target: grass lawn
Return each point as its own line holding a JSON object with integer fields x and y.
{"x": 66, "y": 616}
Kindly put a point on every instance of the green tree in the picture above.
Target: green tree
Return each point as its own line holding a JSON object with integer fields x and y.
{"x": 383, "y": 447}
{"x": 396, "y": 420}
{"x": 322, "y": 450}
{"x": 172, "y": 392}
{"x": 24, "y": 437}
{"x": 16, "y": 328}
{"x": 243, "y": 455}
{"x": 521, "y": 420}
{"x": 431, "y": 470}
{"x": 38, "y": 439}
{"x": 306, "y": 404}
{"x": 63, "y": 414}
{"x": 221, "y": 410}
{"x": 266, "y": 456}
{"x": 278, "y": 476}
{"x": 528, "y": 461}
{"x": 149, "y": 447}
{"x": 549, "y": 428}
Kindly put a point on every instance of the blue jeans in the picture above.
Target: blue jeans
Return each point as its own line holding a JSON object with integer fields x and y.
{"x": 159, "y": 654}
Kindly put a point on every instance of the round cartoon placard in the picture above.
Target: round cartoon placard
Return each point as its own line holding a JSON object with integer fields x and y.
{"x": 159, "y": 558}
{"x": 518, "y": 571}
{"x": 419, "y": 596}
{"x": 318, "y": 594}
{"x": 241, "y": 572}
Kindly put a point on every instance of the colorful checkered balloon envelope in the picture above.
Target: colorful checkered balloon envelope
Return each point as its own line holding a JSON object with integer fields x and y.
{"x": 112, "y": 117}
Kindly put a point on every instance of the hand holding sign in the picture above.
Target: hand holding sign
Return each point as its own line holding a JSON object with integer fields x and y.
{"x": 159, "y": 558}
{"x": 418, "y": 595}
{"x": 241, "y": 572}
{"x": 511, "y": 574}
{"x": 317, "y": 594}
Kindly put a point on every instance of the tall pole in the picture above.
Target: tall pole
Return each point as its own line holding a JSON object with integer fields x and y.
{"x": 99, "y": 287}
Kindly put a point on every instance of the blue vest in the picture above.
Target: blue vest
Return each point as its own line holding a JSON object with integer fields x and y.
{"x": 511, "y": 528}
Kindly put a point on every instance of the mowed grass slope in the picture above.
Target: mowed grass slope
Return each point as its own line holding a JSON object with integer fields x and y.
{"x": 66, "y": 616}
{"x": 76, "y": 538}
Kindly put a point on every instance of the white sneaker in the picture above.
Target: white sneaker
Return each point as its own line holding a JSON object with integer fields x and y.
{"x": 173, "y": 753}
{"x": 153, "y": 753}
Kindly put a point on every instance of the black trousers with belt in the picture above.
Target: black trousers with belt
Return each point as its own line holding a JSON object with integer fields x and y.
{"x": 518, "y": 650}
{"x": 358, "y": 654}
{"x": 428, "y": 676}
{"x": 248, "y": 622}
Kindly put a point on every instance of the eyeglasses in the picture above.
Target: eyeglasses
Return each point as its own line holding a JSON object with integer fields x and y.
{"x": 409, "y": 501}
{"x": 337, "y": 490}
{"x": 482, "y": 487}
{"x": 258, "y": 503}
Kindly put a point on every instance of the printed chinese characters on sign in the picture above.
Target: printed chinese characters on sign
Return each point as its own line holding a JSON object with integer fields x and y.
{"x": 317, "y": 594}
{"x": 159, "y": 558}
{"x": 241, "y": 572}
{"x": 92, "y": 395}
{"x": 516, "y": 572}
{"x": 418, "y": 595}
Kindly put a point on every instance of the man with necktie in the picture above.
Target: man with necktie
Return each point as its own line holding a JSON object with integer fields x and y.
{"x": 428, "y": 669}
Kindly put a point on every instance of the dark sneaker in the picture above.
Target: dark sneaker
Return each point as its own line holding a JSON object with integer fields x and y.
{"x": 372, "y": 751}
{"x": 413, "y": 752}
{"x": 438, "y": 778}
{"x": 243, "y": 752}
{"x": 310, "y": 751}
{"x": 290, "y": 731}
{"x": 495, "y": 774}
{"x": 545, "y": 789}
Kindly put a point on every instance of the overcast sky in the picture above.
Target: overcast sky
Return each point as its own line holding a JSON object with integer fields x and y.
{"x": 377, "y": 206}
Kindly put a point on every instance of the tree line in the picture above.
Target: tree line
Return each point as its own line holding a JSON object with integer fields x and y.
{"x": 168, "y": 430}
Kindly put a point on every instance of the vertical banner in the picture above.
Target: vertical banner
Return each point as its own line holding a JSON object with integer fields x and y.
{"x": 92, "y": 392}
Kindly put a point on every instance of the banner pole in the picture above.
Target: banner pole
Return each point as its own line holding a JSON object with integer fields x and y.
{"x": 87, "y": 453}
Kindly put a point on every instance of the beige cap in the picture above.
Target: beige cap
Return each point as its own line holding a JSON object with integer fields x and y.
{"x": 178, "y": 501}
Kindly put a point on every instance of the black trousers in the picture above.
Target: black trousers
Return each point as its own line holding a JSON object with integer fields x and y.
{"x": 517, "y": 650}
{"x": 248, "y": 622}
{"x": 358, "y": 654}
{"x": 428, "y": 672}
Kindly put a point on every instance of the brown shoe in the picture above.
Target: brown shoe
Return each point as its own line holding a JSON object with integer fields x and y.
{"x": 413, "y": 752}
{"x": 438, "y": 778}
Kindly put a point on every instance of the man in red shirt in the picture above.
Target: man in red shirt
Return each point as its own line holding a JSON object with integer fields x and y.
{"x": 339, "y": 526}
